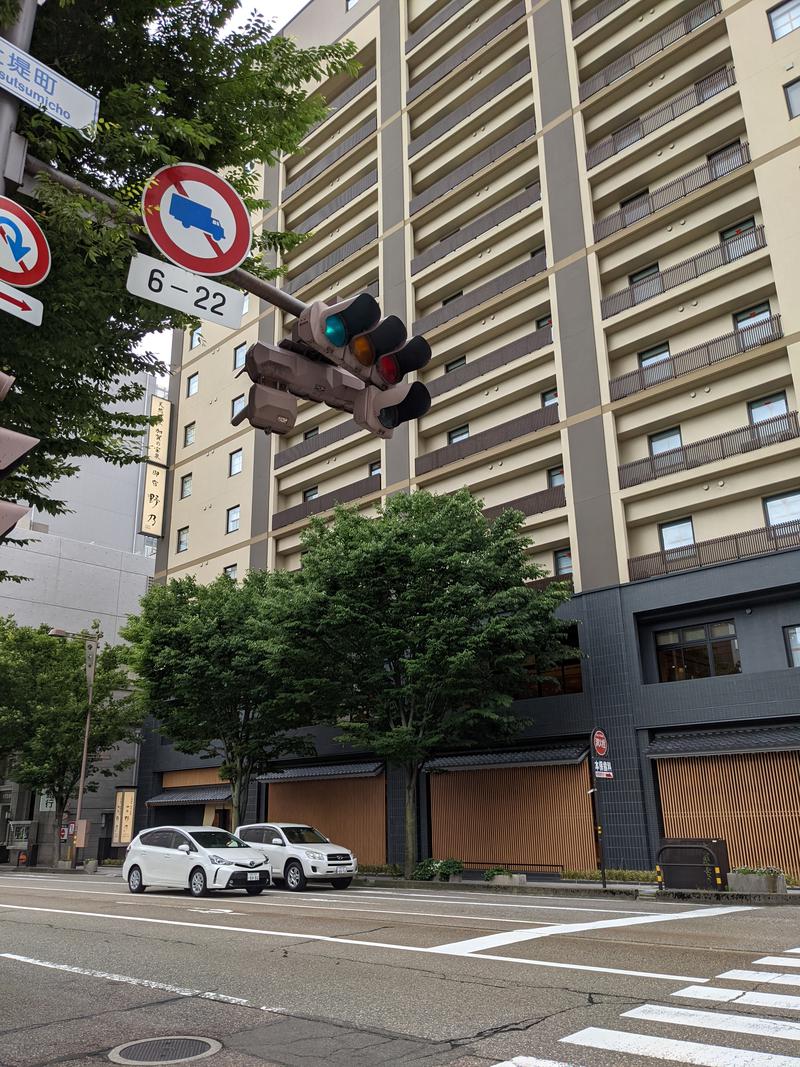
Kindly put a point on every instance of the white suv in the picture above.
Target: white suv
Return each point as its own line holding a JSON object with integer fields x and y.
{"x": 194, "y": 858}
{"x": 299, "y": 854}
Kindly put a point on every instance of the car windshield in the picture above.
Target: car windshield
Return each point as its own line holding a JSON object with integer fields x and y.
{"x": 218, "y": 839}
{"x": 304, "y": 835}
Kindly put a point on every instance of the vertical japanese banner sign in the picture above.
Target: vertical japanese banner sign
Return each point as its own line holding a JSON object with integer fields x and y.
{"x": 155, "y": 481}
{"x": 122, "y": 834}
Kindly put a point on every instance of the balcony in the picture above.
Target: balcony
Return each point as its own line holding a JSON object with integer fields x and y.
{"x": 650, "y": 47}
{"x": 496, "y": 435}
{"x": 492, "y": 361}
{"x": 653, "y": 120}
{"x": 705, "y": 355}
{"x": 346, "y": 495}
{"x": 710, "y": 449}
{"x": 533, "y": 503}
{"x": 717, "y": 256}
{"x": 712, "y": 171}
{"x": 597, "y": 14}
{"x": 736, "y": 546}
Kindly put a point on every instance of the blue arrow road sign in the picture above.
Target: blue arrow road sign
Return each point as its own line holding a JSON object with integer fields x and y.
{"x": 15, "y": 242}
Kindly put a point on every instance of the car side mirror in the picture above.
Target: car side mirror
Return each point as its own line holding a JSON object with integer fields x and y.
{"x": 276, "y": 841}
{"x": 184, "y": 848}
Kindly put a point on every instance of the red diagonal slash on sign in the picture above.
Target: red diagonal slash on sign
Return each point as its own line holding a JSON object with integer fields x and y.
{"x": 23, "y": 305}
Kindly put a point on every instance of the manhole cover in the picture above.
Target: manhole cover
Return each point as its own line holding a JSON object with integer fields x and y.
{"x": 157, "y": 1050}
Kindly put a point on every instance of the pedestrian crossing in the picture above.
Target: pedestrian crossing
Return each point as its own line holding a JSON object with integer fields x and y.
{"x": 656, "y": 1040}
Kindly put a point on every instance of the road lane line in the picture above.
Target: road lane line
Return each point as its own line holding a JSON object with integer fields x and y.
{"x": 779, "y": 961}
{"x": 510, "y": 937}
{"x": 761, "y": 977}
{"x": 739, "y": 996}
{"x": 526, "y": 1061}
{"x": 302, "y": 937}
{"x": 664, "y": 1048}
{"x": 713, "y": 1020}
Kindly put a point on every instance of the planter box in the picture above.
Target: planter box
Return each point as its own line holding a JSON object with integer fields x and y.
{"x": 756, "y": 883}
{"x": 509, "y": 879}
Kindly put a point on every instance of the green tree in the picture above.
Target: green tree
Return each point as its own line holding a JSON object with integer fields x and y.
{"x": 415, "y": 630}
{"x": 174, "y": 84}
{"x": 204, "y": 657}
{"x": 43, "y": 705}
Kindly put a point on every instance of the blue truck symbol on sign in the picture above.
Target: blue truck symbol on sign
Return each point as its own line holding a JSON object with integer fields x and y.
{"x": 190, "y": 213}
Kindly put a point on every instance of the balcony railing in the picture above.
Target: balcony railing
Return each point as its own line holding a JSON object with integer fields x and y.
{"x": 496, "y": 435}
{"x": 492, "y": 361}
{"x": 597, "y": 14}
{"x": 653, "y": 120}
{"x": 533, "y": 503}
{"x": 728, "y": 549}
{"x": 722, "y": 446}
{"x": 716, "y": 168}
{"x": 705, "y": 355}
{"x": 693, "y": 267}
{"x": 650, "y": 47}
{"x": 346, "y": 495}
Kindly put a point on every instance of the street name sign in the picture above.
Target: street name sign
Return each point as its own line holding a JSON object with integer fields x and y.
{"x": 20, "y": 305}
{"x": 196, "y": 219}
{"x": 22, "y": 75}
{"x": 24, "y": 251}
{"x": 177, "y": 288}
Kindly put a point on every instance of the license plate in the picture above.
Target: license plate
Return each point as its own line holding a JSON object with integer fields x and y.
{"x": 252, "y": 876}
{"x": 340, "y": 870}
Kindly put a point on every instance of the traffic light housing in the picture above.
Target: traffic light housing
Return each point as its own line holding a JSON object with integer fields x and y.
{"x": 14, "y": 449}
{"x": 381, "y": 411}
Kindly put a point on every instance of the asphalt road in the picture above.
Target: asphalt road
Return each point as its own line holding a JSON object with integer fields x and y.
{"x": 383, "y": 976}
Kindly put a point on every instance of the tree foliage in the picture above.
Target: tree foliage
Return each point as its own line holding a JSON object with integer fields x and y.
{"x": 205, "y": 658}
{"x": 174, "y": 84}
{"x": 43, "y": 705}
{"x": 416, "y": 630}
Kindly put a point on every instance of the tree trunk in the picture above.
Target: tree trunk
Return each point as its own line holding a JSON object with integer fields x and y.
{"x": 411, "y": 783}
{"x": 240, "y": 787}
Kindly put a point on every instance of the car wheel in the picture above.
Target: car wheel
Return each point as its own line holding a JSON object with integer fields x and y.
{"x": 293, "y": 876}
{"x": 341, "y": 883}
{"x": 253, "y": 890}
{"x": 198, "y": 886}
{"x": 135, "y": 883}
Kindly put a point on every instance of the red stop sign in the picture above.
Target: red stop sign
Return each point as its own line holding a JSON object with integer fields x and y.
{"x": 600, "y": 742}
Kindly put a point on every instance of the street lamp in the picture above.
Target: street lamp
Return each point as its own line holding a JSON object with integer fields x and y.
{"x": 91, "y": 642}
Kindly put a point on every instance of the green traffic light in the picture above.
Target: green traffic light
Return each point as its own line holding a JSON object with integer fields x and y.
{"x": 336, "y": 331}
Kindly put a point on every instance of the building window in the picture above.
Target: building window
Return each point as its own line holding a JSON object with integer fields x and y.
{"x": 460, "y": 433}
{"x": 677, "y": 534}
{"x": 768, "y": 407}
{"x": 186, "y": 486}
{"x": 655, "y": 362}
{"x": 726, "y": 159}
{"x": 703, "y": 651}
{"x": 737, "y": 240}
{"x": 752, "y": 316}
{"x": 664, "y": 441}
{"x": 189, "y": 432}
{"x": 313, "y": 432}
{"x": 562, "y": 562}
{"x": 234, "y": 462}
{"x": 544, "y": 321}
{"x": 555, "y": 477}
{"x": 246, "y": 304}
{"x": 782, "y": 509}
{"x": 196, "y": 337}
{"x": 183, "y": 539}
{"x": 375, "y": 469}
{"x": 350, "y": 4}
{"x": 784, "y": 18}
{"x": 646, "y": 283}
{"x": 549, "y": 397}
{"x": 792, "y": 635}
{"x": 237, "y": 404}
{"x": 792, "y": 91}
{"x": 635, "y": 207}
{"x": 454, "y": 364}
{"x": 453, "y": 296}
{"x": 232, "y": 518}
{"x": 311, "y": 493}
{"x": 657, "y": 354}
{"x": 192, "y": 384}
{"x": 230, "y": 571}
{"x": 238, "y": 356}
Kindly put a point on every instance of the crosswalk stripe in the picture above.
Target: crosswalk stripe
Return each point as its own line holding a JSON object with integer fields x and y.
{"x": 725, "y": 996}
{"x": 713, "y": 1020}
{"x": 761, "y": 977}
{"x": 527, "y": 1061}
{"x": 779, "y": 961}
{"x": 664, "y": 1048}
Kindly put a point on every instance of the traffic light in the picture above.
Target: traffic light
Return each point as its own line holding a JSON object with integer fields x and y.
{"x": 381, "y": 411}
{"x": 14, "y": 448}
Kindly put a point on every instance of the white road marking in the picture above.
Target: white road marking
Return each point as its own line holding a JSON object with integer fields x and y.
{"x": 663, "y": 1048}
{"x": 712, "y": 1020}
{"x": 761, "y": 977}
{"x": 510, "y": 937}
{"x": 463, "y": 900}
{"x": 739, "y": 996}
{"x": 526, "y": 1061}
{"x": 304, "y": 936}
{"x": 779, "y": 961}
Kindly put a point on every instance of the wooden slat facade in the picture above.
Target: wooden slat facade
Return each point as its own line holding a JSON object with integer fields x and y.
{"x": 350, "y": 811}
{"x": 198, "y": 776}
{"x": 751, "y": 800}
{"x": 520, "y": 815}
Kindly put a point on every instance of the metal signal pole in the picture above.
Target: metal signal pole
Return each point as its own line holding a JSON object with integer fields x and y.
{"x": 11, "y": 150}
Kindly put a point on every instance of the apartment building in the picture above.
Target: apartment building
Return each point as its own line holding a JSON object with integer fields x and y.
{"x": 592, "y": 211}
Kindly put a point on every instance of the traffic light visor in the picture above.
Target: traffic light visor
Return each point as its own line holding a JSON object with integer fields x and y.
{"x": 358, "y": 316}
{"x": 416, "y": 403}
{"x": 392, "y": 368}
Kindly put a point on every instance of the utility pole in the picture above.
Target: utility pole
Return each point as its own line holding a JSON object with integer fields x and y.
{"x": 19, "y": 35}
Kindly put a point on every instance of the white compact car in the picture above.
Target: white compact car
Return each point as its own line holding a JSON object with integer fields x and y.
{"x": 298, "y": 854}
{"x": 194, "y": 858}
